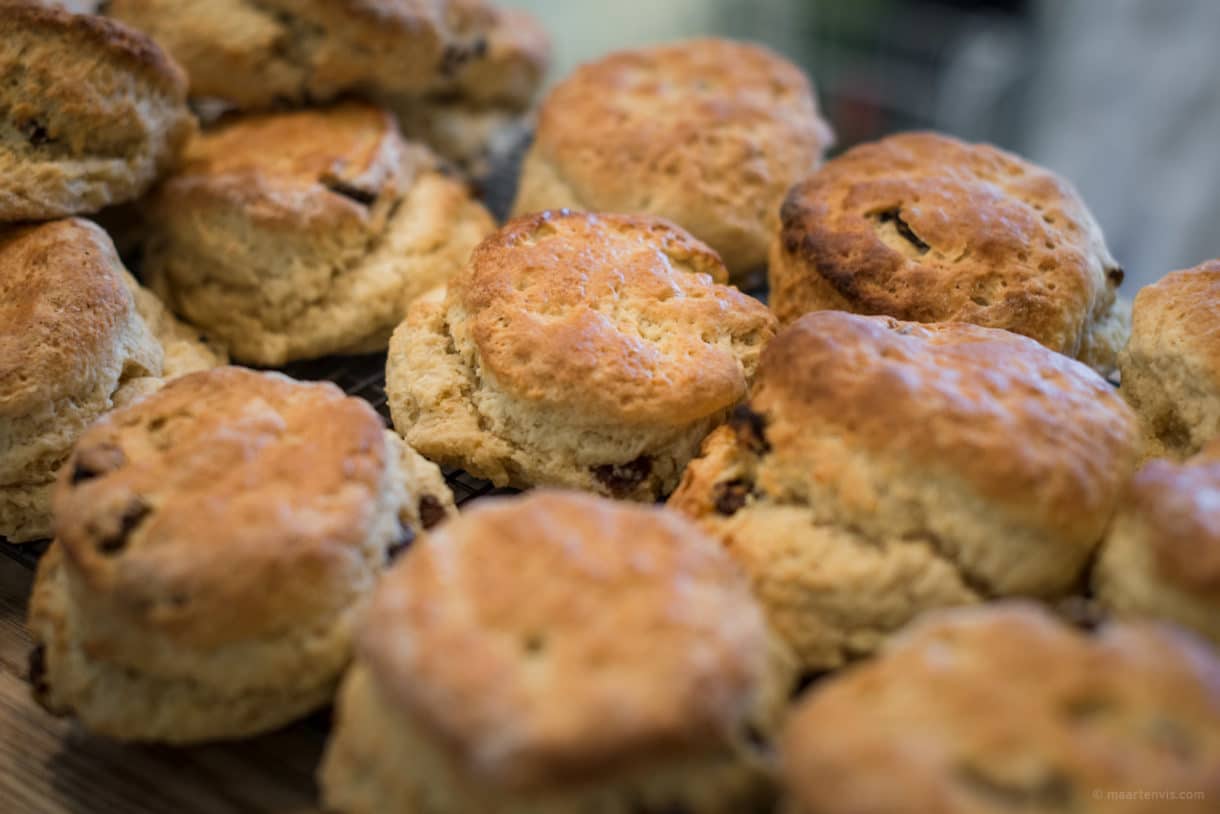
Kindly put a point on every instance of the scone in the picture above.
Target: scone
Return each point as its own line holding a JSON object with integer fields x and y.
{"x": 94, "y": 112}
{"x": 498, "y": 56}
{"x": 579, "y": 350}
{"x": 214, "y": 542}
{"x": 553, "y": 654}
{"x": 1004, "y": 709}
{"x": 883, "y": 468}
{"x": 1171, "y": 365}
{"x": 708, "y": 133}
{"x": 475, "y": 114}
{"x": 297, "y": 235}
{"x": 1161, "y": 557}
{"x": 926, "y": 228}
{"x": 264, "y": 53}
{"x": 77, "y": 336}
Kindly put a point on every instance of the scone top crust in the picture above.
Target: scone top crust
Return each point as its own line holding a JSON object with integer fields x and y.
{"x": 615, "y": 316}
{"x": 1180, "y": 313}
{"x": 84, "y": 33}
{"x": 559, "y": 637}
{"x": 229, "y": 505}
{"x": 971, "y": 710}
{"x": 707, "y": 132}
{"x": 300, "y": 170}
{"x": 64, "y": 312}
{"x": 1175, "y": 509}
{"x": 1030, "y": 430}
{"x": 924, "y": 227}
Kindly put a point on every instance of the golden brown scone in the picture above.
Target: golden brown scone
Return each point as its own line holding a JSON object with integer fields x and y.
{"x": 1161, "y": 557}
{"x": 1004, "y": 709}
{"x": 475, "y": 114}
{"x": 262, "y": 53}
{"x": 926, "y": 228}
{"x": 709, "y": 133}
{"x": 579, "y": 350}
{"x": 94, "y": 112}
{"x": 559, "y": 653}
{"x": 883, "y": 468}
{"x": 1171, "y": 365}
{"x": 77, "y": 337}
{"x": 214, "y": 542}
{"x": 297, "y": 235}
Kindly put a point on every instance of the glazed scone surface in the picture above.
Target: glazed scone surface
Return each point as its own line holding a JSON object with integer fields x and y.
{"x": 263, "y": 53}
{"x": 926, "y": 228}
{"x": 297, "y": 235}
{"x": 611, "y": 656}
{"x": 988, "y": 711}
{"x": 213, "y": 544}
{"x": 93, "y": 112}
{"x": 882, "y": 468}
{"x": 708, "y": 133}
{"x": 1171, "y": 365}
{"x": 590, "y": 351}
{"x": 77, "y": 337}
{"x": 1161, "y": 558}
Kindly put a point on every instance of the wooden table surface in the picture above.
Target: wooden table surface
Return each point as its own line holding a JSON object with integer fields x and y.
{"x": 48, "y": 766}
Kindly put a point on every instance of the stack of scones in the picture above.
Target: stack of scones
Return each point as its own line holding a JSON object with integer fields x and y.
{"x": 893, "y": 541}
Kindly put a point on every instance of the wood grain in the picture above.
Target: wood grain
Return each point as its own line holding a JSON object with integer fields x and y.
{"x": 48, "y": 766}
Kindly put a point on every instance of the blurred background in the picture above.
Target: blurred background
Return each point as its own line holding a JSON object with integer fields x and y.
{"x": 1120, "y": 96}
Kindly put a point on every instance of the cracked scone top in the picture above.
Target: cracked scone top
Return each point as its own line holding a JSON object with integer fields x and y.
{"x": 297, "y": 235}
{"x": 213, "y": 543}
{"x": 581, "y": 350}
{"x": 77, "y": 336}
{"x": 265, "y": 53}
{"x": 1171, "y": 365}
{"x": 1006, "y": 709}
{"x": 881, "y": 468}
{"x": 559, "y": 652}
{"x": 93, "y": 112}
{"x": 709, "y": 133}
{"x": 923, "y": 227}
{"x": 1161, "y": 557}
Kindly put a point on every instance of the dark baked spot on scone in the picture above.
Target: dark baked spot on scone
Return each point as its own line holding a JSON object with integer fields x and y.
{"x": 750, "y": 428}
{"x": 431, "y": 512}
{"x": 1171, "y": 430}
{"x": 1052, "y": 792}
{"x": 94, "y": 461}
{"x": 132, "y": 516}
{"x": 894, "y": 216}
{"x": 730, "y": 496}
{"x": 35, "y": 132}
{"x": 457, "y": 55}
{"x": 533, "y": 644}
{"x": 622, "y": 479}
